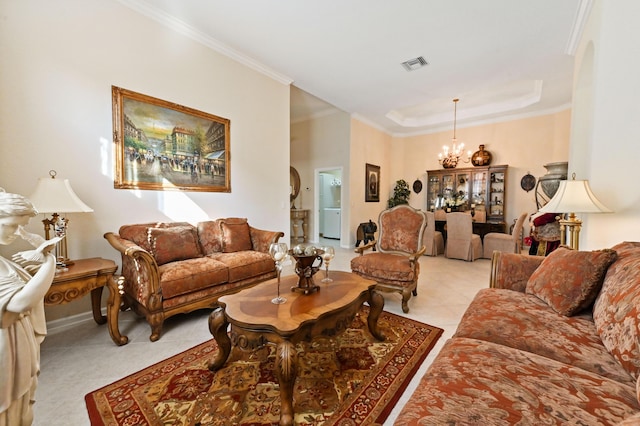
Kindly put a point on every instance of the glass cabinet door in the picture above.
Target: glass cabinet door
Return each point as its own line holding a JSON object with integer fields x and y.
{"x": 434, "y": 193}
{"x": 462, "y": 190}
{"x": 496, "y": 188}
{"x": 448, "y": 186}
{"x": 479, "y": 191}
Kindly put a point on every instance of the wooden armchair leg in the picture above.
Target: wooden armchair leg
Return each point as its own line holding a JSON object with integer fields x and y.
{"x": 406, "y": 295}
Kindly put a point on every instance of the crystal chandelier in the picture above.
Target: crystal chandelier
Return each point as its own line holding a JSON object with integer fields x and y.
{"x": 449, "y": 157}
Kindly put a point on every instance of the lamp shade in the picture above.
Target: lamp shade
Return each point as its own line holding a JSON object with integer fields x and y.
{"x": 56, "y": 196}
{"x": 574, "y": 196}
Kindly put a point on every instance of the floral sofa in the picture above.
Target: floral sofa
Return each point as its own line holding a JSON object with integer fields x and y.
{"x": 172, "y": 268}
{"x": 556, "y": 340}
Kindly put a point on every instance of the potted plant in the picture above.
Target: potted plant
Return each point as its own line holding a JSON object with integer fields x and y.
{"x": 401, "y": 194}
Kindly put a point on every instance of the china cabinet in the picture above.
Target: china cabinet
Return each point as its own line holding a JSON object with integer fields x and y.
{"x": 475, "y": 189}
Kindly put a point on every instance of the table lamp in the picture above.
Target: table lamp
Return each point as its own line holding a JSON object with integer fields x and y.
{"x": 56, "y": 196}
{"x": 573, "y": 196}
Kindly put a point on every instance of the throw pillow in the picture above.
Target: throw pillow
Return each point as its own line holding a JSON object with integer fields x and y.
{"x": 236, "y": 235}
{"x": 569, "y": 280}
{"x": 175, "y": 243}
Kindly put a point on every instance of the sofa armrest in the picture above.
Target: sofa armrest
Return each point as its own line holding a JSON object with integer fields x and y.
{"x": 261, "y": 239}
{"x": 512, "y": 271}
{"x": 139, "y": 269}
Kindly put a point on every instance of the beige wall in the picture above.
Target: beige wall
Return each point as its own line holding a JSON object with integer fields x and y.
{"x": 525, "y": 145}
{"x": 368, "y": 145}
{"x": 318, "y": 144}
{"x": 59, "y": 60}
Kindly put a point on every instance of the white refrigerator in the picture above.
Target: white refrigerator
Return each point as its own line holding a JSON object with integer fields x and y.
{"x": 331, "y": 223}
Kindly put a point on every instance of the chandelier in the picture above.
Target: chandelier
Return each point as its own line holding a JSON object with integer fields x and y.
{"x": 449, "y": 157}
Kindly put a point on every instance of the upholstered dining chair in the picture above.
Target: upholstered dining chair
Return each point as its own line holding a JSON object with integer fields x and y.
{"x": 440, "y": 214}
{"x": 462, "y": 243}
{"x": 394, "y": 266}
{"x": 480, "y": 216}
{"x": 508, "y": 243}
{"x": 432, "y": 239}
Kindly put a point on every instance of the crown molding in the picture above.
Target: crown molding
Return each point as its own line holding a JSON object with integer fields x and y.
{"x": 183, "y": 28}
{"x": 584, "y": 8}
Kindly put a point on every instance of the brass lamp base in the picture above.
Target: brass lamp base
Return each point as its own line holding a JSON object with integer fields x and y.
{"x": 61, "y": 246}
{"x": 570, "y": 227}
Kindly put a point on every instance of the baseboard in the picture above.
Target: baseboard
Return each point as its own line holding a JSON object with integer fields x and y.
{"x": 63, "y": 324}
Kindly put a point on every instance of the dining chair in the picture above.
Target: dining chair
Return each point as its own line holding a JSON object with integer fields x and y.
{"x": 480, "y": 216}
{"x": 440, "y": 214}
{"x": 508, "y": 243}
{"x": 432, "y": 239}
{"x": 462, "y": 243}
{"x": 394, "y": 266}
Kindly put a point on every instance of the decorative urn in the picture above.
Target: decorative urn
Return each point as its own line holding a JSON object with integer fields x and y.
{"x": 481, "y": 157}
{"x": 308, "y": 262}
{"x": 551, "y": 181}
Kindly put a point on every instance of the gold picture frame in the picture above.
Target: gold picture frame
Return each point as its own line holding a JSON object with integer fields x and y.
{"x": 372, "y": 183}
{"x": 161, "y": 145}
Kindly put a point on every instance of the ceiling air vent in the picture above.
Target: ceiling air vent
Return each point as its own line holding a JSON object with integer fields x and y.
{"x": 415, "y": 63}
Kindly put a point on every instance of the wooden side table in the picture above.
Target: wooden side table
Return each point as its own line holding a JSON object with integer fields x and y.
{"x": 299, "y": 225}
{"x": 90, "y": 275}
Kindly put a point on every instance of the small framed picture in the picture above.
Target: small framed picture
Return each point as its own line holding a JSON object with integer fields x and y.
{"x": 372, "y": 182}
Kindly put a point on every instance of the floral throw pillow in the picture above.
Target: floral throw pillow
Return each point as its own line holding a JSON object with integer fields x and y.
{"x": 175, "y": 243}
{"x": 569, "y": 280}
{"x": 236, "y": 235}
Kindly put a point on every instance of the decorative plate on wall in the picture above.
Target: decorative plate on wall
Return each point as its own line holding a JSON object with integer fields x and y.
{"x": 528, "y": 182}
{"x": 417, "y": 186}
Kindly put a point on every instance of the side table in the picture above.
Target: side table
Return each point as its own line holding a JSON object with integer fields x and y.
{"x": 299, "y": 225}
{"x": 90, "y": 275}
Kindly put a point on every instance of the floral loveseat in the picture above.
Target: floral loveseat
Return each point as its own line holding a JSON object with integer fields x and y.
{"x": 535, "y": 349}
{"x": 172, "y": 268}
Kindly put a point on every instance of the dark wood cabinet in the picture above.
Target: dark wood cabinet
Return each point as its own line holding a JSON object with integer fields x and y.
{"x": 481, "y": 189}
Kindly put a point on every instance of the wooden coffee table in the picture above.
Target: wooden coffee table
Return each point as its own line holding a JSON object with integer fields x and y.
{"x": 255, "y": 321}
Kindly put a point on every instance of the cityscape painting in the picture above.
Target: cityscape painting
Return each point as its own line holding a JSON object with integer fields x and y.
{"x": 164, "y": 146}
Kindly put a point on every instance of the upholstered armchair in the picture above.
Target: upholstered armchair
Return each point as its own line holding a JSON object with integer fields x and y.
{"x": 462, "y": 243}
{"x": 432, "y": 239}
{"x": 394, "y": 266}
{"x": 508, "y": 243}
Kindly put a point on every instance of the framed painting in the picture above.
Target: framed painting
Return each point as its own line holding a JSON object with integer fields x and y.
{"x": 372, "y": 182}
{"x": 165, "y": 146}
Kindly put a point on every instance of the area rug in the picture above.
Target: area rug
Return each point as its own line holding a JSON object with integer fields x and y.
{"x": 349, "y": 380}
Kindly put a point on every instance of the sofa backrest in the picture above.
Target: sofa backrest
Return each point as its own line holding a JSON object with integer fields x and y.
{"x": 167, "y": 242}
{"x": 224, "y": 235}
{"x": 616, "y": 311}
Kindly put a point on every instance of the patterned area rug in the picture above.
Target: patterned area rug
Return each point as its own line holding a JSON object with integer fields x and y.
{"x": 348, "y": 380}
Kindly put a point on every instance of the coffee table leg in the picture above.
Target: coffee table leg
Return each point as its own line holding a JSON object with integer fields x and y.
{"x": 286, "y": 371}
{"x": 376, "y": 304}
{"x": 218, "y": 327}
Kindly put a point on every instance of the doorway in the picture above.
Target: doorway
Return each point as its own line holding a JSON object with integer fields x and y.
{"x": 328, "y": 204}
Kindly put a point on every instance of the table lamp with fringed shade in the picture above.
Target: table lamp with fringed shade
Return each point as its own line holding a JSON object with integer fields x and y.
{"x": 573, "y": 196}
{"x": 56, "y": 196}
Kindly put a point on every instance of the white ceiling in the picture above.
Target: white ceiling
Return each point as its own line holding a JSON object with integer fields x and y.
{"x": 502, "y": 58}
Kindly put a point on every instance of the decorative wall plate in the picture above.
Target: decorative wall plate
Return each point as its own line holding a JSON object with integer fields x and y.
{"x": 417, "y": 186}
{"x": 528, "y": 182}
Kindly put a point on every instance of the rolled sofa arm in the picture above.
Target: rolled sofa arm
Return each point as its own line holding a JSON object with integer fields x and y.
{"x": 261, "y": 239}
{"x": 512, "y": 271}
{"x": 139, "y": 268}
